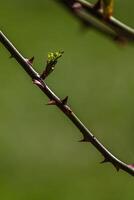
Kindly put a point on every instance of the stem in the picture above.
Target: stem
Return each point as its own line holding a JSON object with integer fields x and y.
{"x": 87, "y": 14}
{"x": 61, "y": 104}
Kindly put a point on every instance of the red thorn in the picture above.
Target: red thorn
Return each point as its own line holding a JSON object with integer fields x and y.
{"x": 51, "y": 102}
{"x": 30, "y": 61}
{"x": 37, "y": 82}
{"x": 64, "y": 101}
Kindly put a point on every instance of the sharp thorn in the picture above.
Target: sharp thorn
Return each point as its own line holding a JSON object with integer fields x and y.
{"x": 104, "y": 161}
{"x": 116, "y": 167}
{"x": 98, "y": 5}
{"x": 64, "y": 101}
{"x": 84, "y": 140}
{"x": 30, "y": 61}
{"x": 51, "y": 102}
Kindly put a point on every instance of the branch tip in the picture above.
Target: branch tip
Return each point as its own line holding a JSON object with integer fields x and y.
{"x": 52, "y": 60}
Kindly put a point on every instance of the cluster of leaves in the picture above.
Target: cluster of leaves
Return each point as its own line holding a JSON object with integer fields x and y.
{"x": 51, "y": 63}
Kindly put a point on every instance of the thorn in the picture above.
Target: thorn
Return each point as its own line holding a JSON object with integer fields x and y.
{"x": 30, "y": 61}
{"x": 104, "y": 161}
{"x": 51, "y": 102}
{"x": 85, "y": 139}
{"x": 116, "y": 166}
{"x": 64, "y": 101}
{"x": 98, "y": 5}
{"x": 37, "y": 82}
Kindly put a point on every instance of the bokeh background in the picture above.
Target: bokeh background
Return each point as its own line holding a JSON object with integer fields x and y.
{"x": 40, "y": 156}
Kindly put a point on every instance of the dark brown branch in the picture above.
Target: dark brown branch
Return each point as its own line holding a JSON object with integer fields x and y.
{"x": 86, "y": 13}
{"x": 62, "y": 105}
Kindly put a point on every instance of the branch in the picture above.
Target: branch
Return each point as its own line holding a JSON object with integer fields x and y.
{"x": 92, "y": 17}
{"x": 26, "y": 64}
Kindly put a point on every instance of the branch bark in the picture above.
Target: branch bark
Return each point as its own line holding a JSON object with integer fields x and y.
{"x": 111, "y": 27}
{"x": 26, "y": 64}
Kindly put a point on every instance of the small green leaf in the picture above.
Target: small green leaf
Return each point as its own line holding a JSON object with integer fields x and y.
{"x": 52, "y": 59}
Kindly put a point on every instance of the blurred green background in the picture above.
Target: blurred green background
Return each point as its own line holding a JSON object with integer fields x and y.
{"x": 40, "y": 156}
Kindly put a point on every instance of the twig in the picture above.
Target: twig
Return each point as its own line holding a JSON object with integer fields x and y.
{"x": 26, "y": 64}
{"x": 111, "y": 27}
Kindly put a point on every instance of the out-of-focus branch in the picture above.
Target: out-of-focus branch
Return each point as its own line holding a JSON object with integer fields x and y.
{"x": 92, "y": 17}
{"x": 37, "y": 79}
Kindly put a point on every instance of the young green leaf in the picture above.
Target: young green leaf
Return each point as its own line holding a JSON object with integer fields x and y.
{"x": 51, "y": 62}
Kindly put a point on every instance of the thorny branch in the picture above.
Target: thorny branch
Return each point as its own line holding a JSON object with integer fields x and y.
{"x": 91, "y": 16}
{"x": 37, "y": 79}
